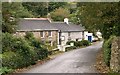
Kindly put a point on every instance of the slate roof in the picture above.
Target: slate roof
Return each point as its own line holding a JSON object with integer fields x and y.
{"x": 33, "y": 25}
{"x": 67, "y": 27}
{"x": 45, "y": 24}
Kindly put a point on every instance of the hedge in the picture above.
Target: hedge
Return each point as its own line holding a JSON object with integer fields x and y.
{"x": 68, "y": 43}
{"x": 107, "y": 50}
{"x": 79, "y": 43}
{"x": 70, "y": 48}
{"x": 85, "y": 43}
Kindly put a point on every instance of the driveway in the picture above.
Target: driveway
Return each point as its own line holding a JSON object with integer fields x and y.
{"x": 76, "y": 61}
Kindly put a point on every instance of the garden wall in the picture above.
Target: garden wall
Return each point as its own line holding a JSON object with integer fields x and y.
{"x": 115, "y": 55}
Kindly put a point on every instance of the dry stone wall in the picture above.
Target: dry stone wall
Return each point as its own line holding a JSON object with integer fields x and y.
{"x": 115, "y": 55}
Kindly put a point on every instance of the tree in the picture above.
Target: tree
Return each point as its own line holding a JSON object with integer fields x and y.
{"x": 88, "y": 15}
{"x": 111, "y": 23}
{"x": 38, "y": 9}
{"x": 55, "y": 5}
{"x": 59, "y": 14}
{"x": 41, "y": 9}
{"x": 98, "y": 16}
{"x": 11, "y": 12}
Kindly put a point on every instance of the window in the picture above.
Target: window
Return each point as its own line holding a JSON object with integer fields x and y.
{"x": 68, "y": 33}
{"x": 49, "y": 33}
{"x": 69, "y": 38}
{"x": 41, "y": 34}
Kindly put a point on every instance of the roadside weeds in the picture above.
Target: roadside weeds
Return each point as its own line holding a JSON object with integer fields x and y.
{"x": 100, "y": 64}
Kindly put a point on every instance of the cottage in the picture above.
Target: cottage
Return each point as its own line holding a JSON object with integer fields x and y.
{"x": 56, "y": 33}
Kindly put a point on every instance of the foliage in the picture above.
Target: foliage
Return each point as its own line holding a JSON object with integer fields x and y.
{"x": 55, "y": 5}
{"x": 85, "y": 43}
{"x": 24, "y": 51}
{"x": 38, "y": 9}
{"x": 59, "y": 14}
{"x": 11, "y": 12}
{"x": 41, "y": 9}
{"x": 5, "y": 70}
{"x": 79, "y": 43}
{"x": 69, "y": 42}
{"x": 7, "y": 42}
{"x": 70, "y": 48}
{"x": 8, "y": 61}
{"x": 98, "y": 16}
{"x": 38, "y": 46}
{"x": 111, "y": 20}
{"x": 29, "y": 35}
{"x": 107, "y": 50}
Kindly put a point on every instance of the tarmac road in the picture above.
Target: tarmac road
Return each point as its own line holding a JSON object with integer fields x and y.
{"x": 76, "y": 61}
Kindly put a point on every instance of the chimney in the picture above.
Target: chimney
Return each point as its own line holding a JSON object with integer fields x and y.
{"x": 66, "y": 20}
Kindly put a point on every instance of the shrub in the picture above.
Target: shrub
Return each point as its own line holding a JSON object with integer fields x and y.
{"x": 68, "y": 43}
{"x": 29, "y": 35}
{"x": 41, "y": 52}
{"x": 11, "y": 60}
{"x": 24, "y": 51}
{"x": 85, "y": 43}
{"x": 7, "y": 42}
{"x": 5, "y": 70}
{"x": 107, "y": 50}
{"x": 78, "y": 43}
{"x": 70, "y": 48}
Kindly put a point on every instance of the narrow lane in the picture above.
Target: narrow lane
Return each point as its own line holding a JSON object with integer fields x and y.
{"x": 76, "y": 61}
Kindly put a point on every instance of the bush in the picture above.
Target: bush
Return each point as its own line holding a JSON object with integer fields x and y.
{"x": 7, "y": 42}
{"x": 11, "y": 60}
{"x": 85, "y": 43}
{"x": 107, "y": 50}
{"x": 78, "y": 44}
{"x": 68, "y": 43}
{"x": 70, "y": 48}
{"x": 24, "y": 51}
{"x": 29, "y": 35}
{"x": 41, "y": 52}
{"x": 5, "y": 70}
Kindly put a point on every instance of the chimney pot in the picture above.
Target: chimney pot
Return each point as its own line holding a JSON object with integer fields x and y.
{"x": 66, "y": 20}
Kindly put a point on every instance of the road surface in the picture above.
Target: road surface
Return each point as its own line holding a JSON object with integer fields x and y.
{"x": 76, "y": 61}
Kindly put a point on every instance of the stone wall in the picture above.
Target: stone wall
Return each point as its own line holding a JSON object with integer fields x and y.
{"x": 115, "y": 55}
{"x": 53, "y": 38}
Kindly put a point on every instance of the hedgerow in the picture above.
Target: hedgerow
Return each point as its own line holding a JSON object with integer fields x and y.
{"x": 107, "y": 50}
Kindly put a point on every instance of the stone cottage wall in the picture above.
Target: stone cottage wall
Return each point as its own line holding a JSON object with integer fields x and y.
{"x": 115, "y": 55}
{"x": 53, "y": 38}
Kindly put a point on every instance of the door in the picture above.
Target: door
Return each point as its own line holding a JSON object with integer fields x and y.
{"x": 90, "y": 38}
